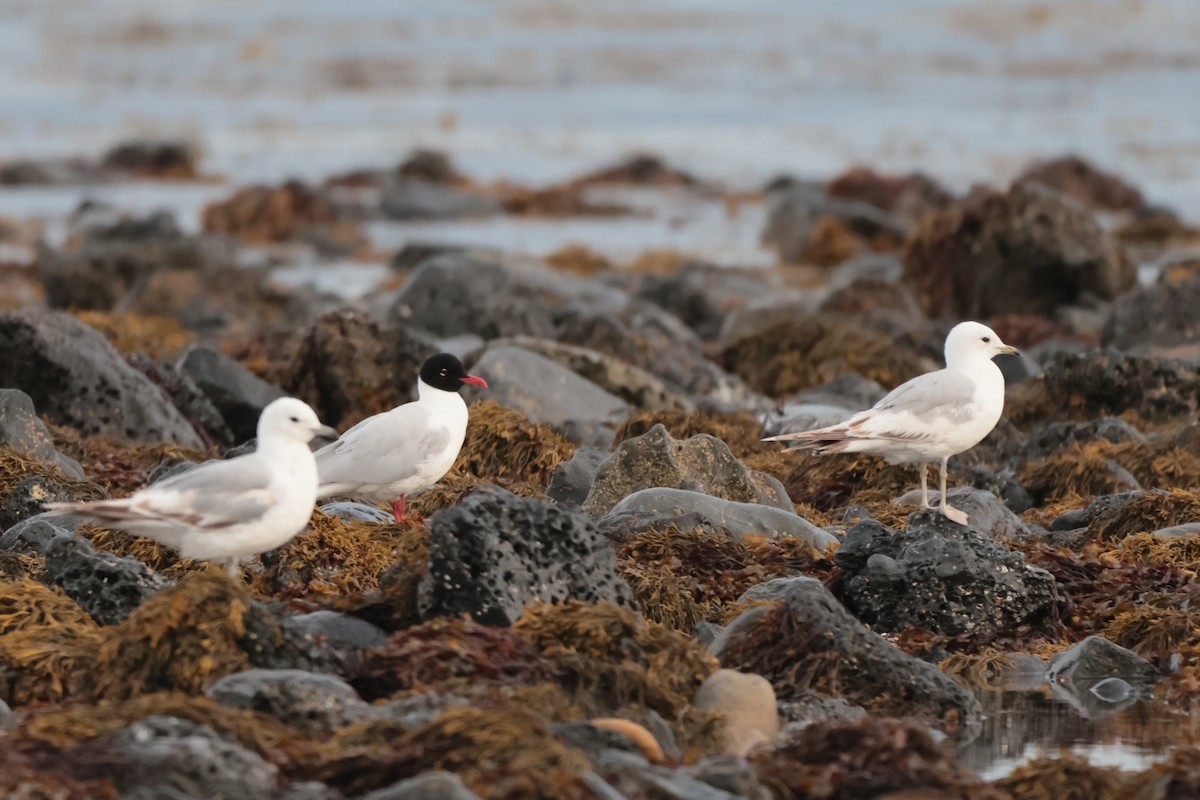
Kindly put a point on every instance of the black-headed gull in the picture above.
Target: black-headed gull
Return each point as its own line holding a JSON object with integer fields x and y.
{"x": 390, "y": 455}
{"x": 224, "y": 510}
{"x": 929, "y": 418}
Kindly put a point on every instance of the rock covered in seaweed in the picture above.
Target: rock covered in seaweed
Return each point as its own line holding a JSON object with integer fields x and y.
{"x": 1027, "y": 249}
{"x": 808, "y": 640}
{"x": 549, "y": 392}
{"x": 77, "y": 379}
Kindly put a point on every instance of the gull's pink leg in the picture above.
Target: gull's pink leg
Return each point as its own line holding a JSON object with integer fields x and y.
{"x": 398, "y": 509}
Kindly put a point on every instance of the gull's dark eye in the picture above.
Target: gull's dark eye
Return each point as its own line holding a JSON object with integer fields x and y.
{"x": 987, "y": 339}
{"x": 444, "y": 373}
{"x": 294, "y": 419}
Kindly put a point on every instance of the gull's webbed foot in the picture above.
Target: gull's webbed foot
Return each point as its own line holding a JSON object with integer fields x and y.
{"x": 954, "y": 515}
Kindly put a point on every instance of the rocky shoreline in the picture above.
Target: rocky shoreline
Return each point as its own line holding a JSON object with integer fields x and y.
{"x": 619, "y": 590}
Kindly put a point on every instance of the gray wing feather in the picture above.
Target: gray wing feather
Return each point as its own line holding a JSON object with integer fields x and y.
{"x": 945, "y": 393}
{"x": 386, "y": 448}
{"x": 212, "y": 496}
{"x": 215, "y": 494}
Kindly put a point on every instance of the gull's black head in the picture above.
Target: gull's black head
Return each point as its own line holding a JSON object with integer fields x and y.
{"x": 446, "y": 372}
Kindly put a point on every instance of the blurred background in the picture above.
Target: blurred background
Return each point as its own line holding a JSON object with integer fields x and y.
{"x": 536, "y": 92}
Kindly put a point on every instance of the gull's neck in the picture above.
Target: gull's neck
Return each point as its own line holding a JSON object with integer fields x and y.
{"x": 429, "y": 395}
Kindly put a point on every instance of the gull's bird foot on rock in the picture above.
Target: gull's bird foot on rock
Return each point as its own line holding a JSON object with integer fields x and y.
{"x": 954, "y": 515}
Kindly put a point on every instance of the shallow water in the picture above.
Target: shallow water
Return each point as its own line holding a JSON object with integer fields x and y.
{"x": 536, "y": 90}
{"x": 1024, "y": 725}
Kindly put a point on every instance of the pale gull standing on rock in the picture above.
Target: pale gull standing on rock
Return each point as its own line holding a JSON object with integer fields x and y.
{"x": 929, "y": 418}
{"x": 224, "y": 510}
{"x": 387, "y": 456}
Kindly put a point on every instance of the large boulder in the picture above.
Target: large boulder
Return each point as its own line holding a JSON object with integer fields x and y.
{"x": 1027, "y": 250}
{"x": 548, "y": 392}
{"x": 1159, "y": 319}
{"x": 808, "y": 638}
{"x": 349, "y": 368}
{"x": 238, "y": 394}
{"x": 703, "y": 295}
{"x": 939, "y": 575}
{"x": 1079, "y": 387}
{"x": 636, "y": 386}
{"x": 75, "y": 377}
{"x": 495, "y": 553}
{"x": 456, "y": 293}
{"x": 702, "y": 463}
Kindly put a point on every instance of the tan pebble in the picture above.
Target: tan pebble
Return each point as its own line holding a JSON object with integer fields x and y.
{"x": 747, "y": 701}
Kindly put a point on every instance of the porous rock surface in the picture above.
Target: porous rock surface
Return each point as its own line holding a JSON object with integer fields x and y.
{"x": 495, "y": 553}
{"x": 939, "y": 575}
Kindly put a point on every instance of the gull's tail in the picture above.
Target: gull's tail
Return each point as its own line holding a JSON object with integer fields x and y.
{"x": 819, "y": 441}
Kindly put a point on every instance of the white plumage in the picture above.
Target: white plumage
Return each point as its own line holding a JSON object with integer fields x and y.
{"x": 224, "y": 510}
{"x": 929, "y": 418}
{"x": 390, "y": 455}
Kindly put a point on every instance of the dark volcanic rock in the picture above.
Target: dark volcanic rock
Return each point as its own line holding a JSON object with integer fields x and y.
{"x": 335, "y": 630}
{"x": 23, "y": 432}
{"x": 495, "y": 553}
{"x": 77, "y": 379}
{"x": 660, "y": 506}
{"x": 634, "y": 385}
{"x": 1049, "y": 439}
{"x": 1160, "y": 319}
{"x": 810, "y": 626}
{"x": 572, "y": 480}
{"x": 349, "y": 368}
{"x": 1085, "y": 386}
{"x": 1082, "y": 517}
{"x": 33, "y": 535}
{"x": 1028, "y": 250}
{"x": 942, "y": 576}
{"x": 457, "y": 293}
{"x": 189, "y": 398}
{"x": 549, "y": 392}
{"x": 987, "y": 513}
{"x": 703, "y": 295}
{"x": 236, "y": 392}
{"x": 426, "y": 786}
{"x": 702, "y": 463}
{"x": 174, "y": 754}
{"x": 106, "y": 586}
{"x": 311, "y": 702}
{"x": 112, "y": 263}
{"x": 28, "y": 496}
